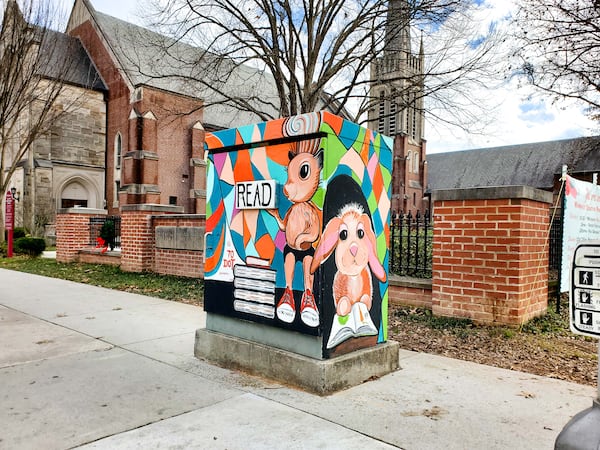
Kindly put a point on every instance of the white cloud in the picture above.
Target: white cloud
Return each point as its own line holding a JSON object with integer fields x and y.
{"x": 521, "y": 117}
{"x": 518, "y": 113}
{"x": 122, "y": 9}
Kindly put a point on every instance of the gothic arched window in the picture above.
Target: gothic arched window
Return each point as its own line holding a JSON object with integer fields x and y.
{"x": 118, "y": 150}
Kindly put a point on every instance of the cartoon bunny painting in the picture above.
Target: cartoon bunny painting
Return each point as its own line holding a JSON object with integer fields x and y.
{"x": 351, "y": 235}
{"x": 302, "y": 227}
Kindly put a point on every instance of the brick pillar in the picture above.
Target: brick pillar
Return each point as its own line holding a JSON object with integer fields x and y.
{"x": 73, "y": 231}
{"x": 399, "y": 172}
{"x": 198, "y": 165}
{"x": 137, "y": 235}
{"x": 490, "y": 254}
{"x": 139, "y": 173}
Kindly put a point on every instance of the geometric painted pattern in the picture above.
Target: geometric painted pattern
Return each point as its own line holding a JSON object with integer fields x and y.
{"x": 262, "y": 153}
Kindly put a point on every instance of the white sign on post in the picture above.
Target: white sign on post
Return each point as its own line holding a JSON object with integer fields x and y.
{"x": 584, "y": 295}
{"x": 581, "y": 221}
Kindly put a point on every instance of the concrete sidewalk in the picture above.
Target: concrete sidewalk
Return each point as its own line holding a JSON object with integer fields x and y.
{"x": 88, "y": 366}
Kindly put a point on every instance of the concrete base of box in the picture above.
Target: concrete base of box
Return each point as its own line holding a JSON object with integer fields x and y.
{"x": 319, "y": 376}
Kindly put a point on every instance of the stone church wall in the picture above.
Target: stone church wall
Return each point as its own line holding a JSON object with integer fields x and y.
{"x": 79, "y": 136}
{"x": 73, "y": 149}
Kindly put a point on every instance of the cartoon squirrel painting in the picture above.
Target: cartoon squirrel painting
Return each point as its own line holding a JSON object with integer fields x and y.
{"x": 351, "y": 235}
{"x": 302, "y": 226}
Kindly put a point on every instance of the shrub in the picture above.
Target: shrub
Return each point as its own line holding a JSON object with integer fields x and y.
{"x": 19, "y": 232}
{"x": 107, "y": 232}
{"x": 29, "y": 246}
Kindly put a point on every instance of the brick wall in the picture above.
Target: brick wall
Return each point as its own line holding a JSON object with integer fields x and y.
{"x": 490, "y": 254}
{"x": 95, "y": 256}
{"x": 73, "y": 232}
{"x": 185, "y": 263}
{"x": 118, "y": 105}
{"x": 137, "y": 236}
{"x": 176, "y": 117}
{"x": 490, "y": 257}
{"x": 139, "y": 252}
{"x": 408, "y": 291}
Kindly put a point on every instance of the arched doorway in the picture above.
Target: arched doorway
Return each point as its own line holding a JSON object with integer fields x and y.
{"x": 74, "y": 195}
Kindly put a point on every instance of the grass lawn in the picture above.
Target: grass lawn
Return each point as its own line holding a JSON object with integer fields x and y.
{"x": 181, "y": 289}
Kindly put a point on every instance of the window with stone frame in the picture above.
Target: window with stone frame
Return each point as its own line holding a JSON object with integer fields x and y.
{"x": 393, "y": 116}
{"x": 381, "y": 115}
{"x": 118, "y": 150}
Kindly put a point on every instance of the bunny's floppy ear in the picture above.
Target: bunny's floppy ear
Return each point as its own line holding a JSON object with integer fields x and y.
{"x": 374, "y": 263}
{"x": 329, "y": 240}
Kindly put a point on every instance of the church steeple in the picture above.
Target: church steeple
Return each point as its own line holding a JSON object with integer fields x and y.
{"x": 396, "y": 97}
{"x": 396, "y": 78}
{"x": 397, "y": 28}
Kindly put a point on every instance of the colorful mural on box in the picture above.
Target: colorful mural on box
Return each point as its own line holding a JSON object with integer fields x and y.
{"x": 282, "y": 197}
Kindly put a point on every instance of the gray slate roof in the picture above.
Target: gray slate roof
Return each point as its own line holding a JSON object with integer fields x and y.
{"x": 178, "y": 70}
{"x": 68, "y": 60}
{"x": 59, "y": 56}
{"x": 534, "y": 164}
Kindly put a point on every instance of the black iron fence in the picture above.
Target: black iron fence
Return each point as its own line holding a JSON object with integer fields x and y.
{"x": 105, "y": 231}
{"x": 555, "y": 244}
{"x": 411, "y": 244}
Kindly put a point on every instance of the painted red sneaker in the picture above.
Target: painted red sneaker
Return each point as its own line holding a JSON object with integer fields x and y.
{"x": 286, "y": 310}
{"x": 308, "y": 309}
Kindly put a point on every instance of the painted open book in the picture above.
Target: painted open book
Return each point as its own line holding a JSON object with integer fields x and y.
{"x": 357, "y": 323}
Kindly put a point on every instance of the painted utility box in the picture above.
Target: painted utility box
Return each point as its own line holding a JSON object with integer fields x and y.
{"x": 297, "y": 222}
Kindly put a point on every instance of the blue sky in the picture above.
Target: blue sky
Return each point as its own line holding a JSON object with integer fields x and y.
{"x": 518, "y": 114}
{"x": 521, "y": 115}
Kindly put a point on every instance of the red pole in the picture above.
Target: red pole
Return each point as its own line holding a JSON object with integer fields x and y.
{"x": 9, "y": 222}
{"x": 9, "y": 250}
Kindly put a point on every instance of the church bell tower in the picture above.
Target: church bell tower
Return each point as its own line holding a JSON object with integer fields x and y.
{"x": 396, "y": 94}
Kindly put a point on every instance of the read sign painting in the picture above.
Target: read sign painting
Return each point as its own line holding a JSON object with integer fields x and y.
{"x": 255, "y": 194}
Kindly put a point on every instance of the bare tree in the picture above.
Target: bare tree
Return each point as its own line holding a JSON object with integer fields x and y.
{"x": 33, "y": 69}
{"x": 559, "y": 48}
{"x": 316, "y": 52}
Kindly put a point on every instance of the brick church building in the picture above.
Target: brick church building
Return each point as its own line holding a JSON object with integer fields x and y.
{"x": 155, "y": 124}
{"x": 154, "y": 149}
{"x": 138, "y": 135}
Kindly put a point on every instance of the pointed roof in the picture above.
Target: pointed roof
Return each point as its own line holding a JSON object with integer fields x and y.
{"x": 397, "y": 29}
{"x": 535, "y": 164}
{"x": 60, "y": 56}
{"x": 139, "y": 54}
{"x": 11, "y": 12}
{"x": 67, "y": 59}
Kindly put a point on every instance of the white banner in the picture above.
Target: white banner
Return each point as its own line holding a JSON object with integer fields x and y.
{"x": 581, "y": 222}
